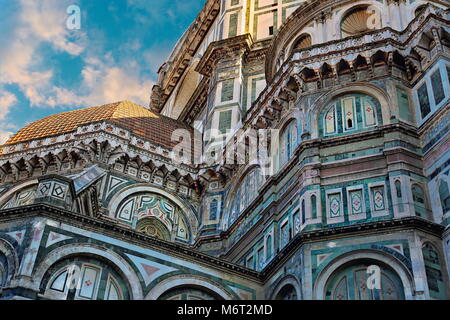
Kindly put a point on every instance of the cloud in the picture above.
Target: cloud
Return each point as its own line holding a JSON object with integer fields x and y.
{"x": 104, "y": 80}
{"x": 39, "y": 22}
{"x": 7, "y": 100}
{"x": 46, "y": 20}
{"x": 4, "y": 136}
{"x": 104, "y": 84}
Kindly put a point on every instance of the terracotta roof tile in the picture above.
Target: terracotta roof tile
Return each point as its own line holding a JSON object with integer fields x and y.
{"x": 140, "y": 121}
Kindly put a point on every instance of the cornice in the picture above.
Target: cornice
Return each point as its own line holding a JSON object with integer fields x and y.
{"x": 116, "y": 136}
{"x": 222, "y": 49}
{"x": 363, "y": 229}
{"x": 112, "y": 229}
{"x": 182, "y": 59}
{"x": 321, "y": 144}
{"x": 184, "y": 252}
{"x": 303, "y": 15}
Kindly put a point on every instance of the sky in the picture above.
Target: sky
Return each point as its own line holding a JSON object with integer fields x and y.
{"x": 47, "y": 67}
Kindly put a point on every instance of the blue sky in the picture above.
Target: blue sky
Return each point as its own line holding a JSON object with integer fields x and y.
{"x": 45, "y": 68}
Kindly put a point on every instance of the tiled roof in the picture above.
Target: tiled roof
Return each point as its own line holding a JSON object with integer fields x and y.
{"x": 140, "y": 121}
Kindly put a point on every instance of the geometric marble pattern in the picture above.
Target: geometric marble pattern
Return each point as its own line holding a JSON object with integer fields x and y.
{"x": 54, "y": 237}
{"x": 17, "y": 235}
{"x": 150, "y": 270}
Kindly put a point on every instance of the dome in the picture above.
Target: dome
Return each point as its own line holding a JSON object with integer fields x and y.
{"x": 138, "y": 120}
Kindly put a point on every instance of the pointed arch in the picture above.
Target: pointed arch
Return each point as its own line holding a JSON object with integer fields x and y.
{"x": 444, "y": 195}
{"x": 124, "y": 193}
{"x": 326, "y": 100}
{"x": 99, "y": 252}
{"x": 189, "y": 280}
{"x": 329, "y": 269}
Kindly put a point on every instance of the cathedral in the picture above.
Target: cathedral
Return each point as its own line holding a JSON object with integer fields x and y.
{"x": 290, "y": 150}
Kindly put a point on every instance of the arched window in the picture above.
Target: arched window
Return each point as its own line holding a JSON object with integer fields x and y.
{"x": 269, "y": 247}
{"x": 154, "y": 215}
{"x": 84, "y": 279}
{"x": 289, "y": 141}
{"x": 313, "y": 207}
{"x": 303, "y": 212}
{"x": 398, "y": 191}
{"x": 245, "y": 193}
{"x": 213, "y": 208}
{"x": 153, "y": 227}
{"x": 435, "y": 279}
{"x": 288, "y": 292}
{"x": 113, "y": 291}
{"x": 285, "y": 234}
{"x": 297, "y": 222}
{"x": 360, "y": 20}
{"x": 350, "y": 283}
{"x": 350, "y": 113}
{"x": 189, "y": 293}
{"x": 302, "y": 42}
{"x": 419, "y": 10}
{"x": 420, "y": 205}
{"x": 444, "y": 196}
{"x": 3, "y": 270}
{"x": 330, "y": 120}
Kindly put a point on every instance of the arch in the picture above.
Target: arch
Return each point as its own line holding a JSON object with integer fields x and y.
{"x": 405, "y": 276}
{"x": 293, "y": 115}
{"x": 313, "y": 200}
{"x": 303, "y": 41}
{"x": 236, "y": 201}
{"x": 288, "y": 140}
{"x": 352, "y": 281}
{"x": 12, "y": 260}
{"x": 354, "y": 10}
{"x": 303, "y": 206}
{"x": 124, "y": 193}
{"x": 444, "y": 195}
{"x": 419, "y": 9}
{"x": 92, "y": 250}
{"x": 361, "y": 88}
{"x": 269, "y": 247}
{"x": 350, "y": 113}
{"x": 355, "y": 22}
{"x": 379, "y": 58}
{"x": 153, "y": 227}
{"x": 61, "y": 278}
{"x": 343, "y": 67}
{"x": 186, "y": 89}
{"x": 436, "y": 279}
{"x": 326, "y": 71}
{"x": 189, "y": 293}
{"x": 301, "y": 19}
{"x": 360, "y": 63}
{"x": 308, "y": 74}
{"x": 419, "y": 200}
{"x": 399, "y": 194}
{"x": 288, "y": 280}
{"x": 11, "y": 192}
{"x": 189, "y": 281}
